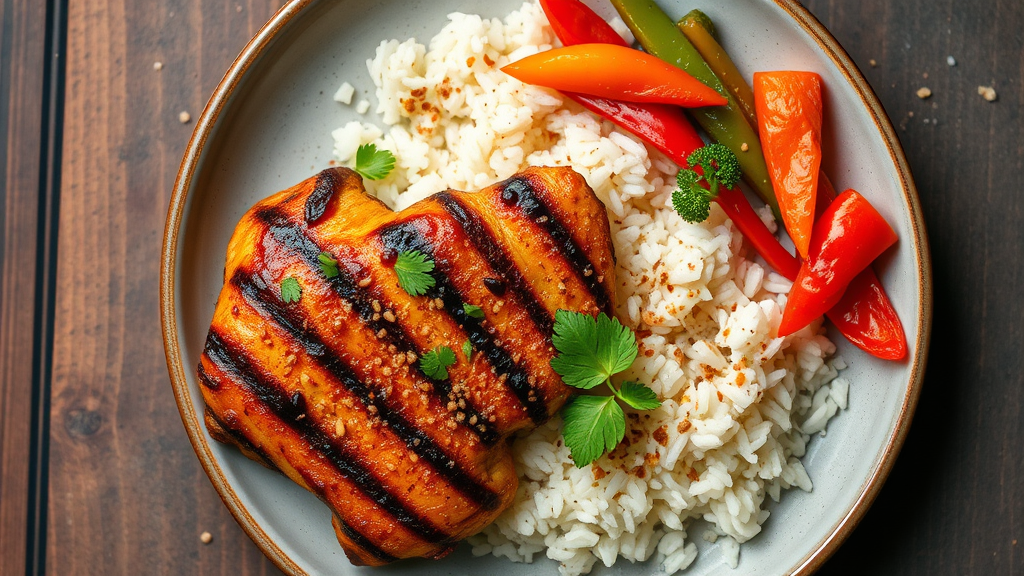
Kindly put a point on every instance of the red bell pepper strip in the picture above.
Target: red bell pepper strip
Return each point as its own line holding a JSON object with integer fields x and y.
{"x": 865, "y": 316}
{"x": 612, "y": 71}
{"x": 575, "y": 23}
{"x": 664, "y": 127}
{"x": 736, "y": 206}
{"x": 789, "y": 120}
{"x": 846, "y": 239}
{"x": 668, "y": 130}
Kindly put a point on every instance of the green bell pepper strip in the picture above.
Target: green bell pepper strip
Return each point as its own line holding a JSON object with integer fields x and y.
{"x": 658, "y": 35}
{"x": 699, "y": 30}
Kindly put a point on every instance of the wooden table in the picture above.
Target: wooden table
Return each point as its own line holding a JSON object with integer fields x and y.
{"x": 98, "y": 476}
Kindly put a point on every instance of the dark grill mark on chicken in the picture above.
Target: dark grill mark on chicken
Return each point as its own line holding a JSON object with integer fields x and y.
{"x": 405, "y": 237}
{"x": 235, "y": 361}
{"x": 496, "y": 257}
{"x": 391, "y": 333}
{"x": 268, "y": 302}
{"x": 329, "y": 390}
{"x": 518, "y": 191}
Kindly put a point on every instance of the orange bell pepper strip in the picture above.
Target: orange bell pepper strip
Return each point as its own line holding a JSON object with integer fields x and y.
{"x": 616, "y": 72}
{"x": 846, "y": 240}
{"x": 789, "y": 120}
{"x": 663, "y": 127}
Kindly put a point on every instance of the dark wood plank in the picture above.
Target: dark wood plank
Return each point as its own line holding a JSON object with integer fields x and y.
{"x": 127, "y": 494}
{"x": 22, "y": 49}
{"x": 954, "y": 503}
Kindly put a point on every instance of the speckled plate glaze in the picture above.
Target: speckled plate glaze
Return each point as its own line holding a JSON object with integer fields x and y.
{"x": 267, "y": 127}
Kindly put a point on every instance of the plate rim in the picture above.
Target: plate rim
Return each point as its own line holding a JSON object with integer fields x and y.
{"x": 262, "y": 41}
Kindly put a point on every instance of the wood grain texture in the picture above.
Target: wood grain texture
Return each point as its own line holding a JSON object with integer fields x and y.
{"x": 954, "y": 503}
{"x": 127, "y": 495}
{"x": 22, "y": 49}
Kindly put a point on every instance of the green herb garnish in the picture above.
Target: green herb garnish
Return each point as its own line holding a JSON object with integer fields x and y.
{"x": 692, "y": 200}
{"x": 436, "y": 362}
{"x": 328, "y": 265}
{"x": 590, "y": 351}
{"x": 473, "y": 311}
{"x": 372, "y": 163}
{"x": 290, "y": 290}
{"x": 413, "y": 270}
{"x": 467, "y": 349}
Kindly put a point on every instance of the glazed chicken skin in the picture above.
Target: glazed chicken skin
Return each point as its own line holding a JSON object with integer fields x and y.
{"x": 329, "y": 389}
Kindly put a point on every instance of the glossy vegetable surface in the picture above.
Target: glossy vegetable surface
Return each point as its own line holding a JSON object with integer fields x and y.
{"x": 699, "y": 30}
{"x": 667, "y": 129}
{"x": 575, "y": 23}
{"x": 613, "y": 71}
{"x": 865, "y": 316}
{"x": 789, "y": 118}
{"x": 736, "y": 206}
{"x": 658, "y": 34}
{"x": 846, "y": 239}
{"x": 662, "y": 126}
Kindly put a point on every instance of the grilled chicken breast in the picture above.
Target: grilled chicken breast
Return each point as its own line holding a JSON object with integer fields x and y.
{"x": 329, "y": 390}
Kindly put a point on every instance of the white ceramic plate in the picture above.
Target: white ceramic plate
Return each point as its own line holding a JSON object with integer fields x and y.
{"x": 268, "y": 126}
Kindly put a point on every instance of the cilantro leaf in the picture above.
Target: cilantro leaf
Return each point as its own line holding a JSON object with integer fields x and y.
{"x": 328, "y": 265}
{"x": 638, "y": 396}
{"x": 413, "y": 270}
{"x": 467, "y": 349}
{"x": 590, "y": 349}
{"x": 436, "y": 362}
{"x": 290, "y": 290}
{"x": 372, "y": 163}
{"x": 593, "y": 424}
{"x": 473, "y": 311}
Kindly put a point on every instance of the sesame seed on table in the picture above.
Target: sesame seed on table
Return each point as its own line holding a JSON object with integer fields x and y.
{"x": 97, "y": 101}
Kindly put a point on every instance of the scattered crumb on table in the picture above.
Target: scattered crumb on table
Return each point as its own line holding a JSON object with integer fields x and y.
{"x": 924, "y": 92}
{"x": 184, "y": 117}
{"x": 206, "y": 537}
{"x": 988, "y": 93}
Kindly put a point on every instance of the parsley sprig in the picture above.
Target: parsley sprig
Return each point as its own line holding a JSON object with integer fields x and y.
{"x": 719, "y": 169}
{"x": 328, "y": 265}
{"x": 473, "y": 311}
{"x": 374, "y": 164}
{"x": 590, "y": 351}
{"x": 413, "y": 270}
{"x": 291, "y": 291}
{"x": 435, "y": 363}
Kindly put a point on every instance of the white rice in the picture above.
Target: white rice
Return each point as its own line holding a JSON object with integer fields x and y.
{"x": 740, "y": 404}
